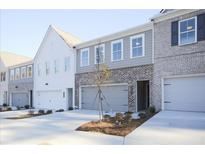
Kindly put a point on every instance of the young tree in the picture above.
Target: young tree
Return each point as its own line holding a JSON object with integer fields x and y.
{"x": 102, "y": 74}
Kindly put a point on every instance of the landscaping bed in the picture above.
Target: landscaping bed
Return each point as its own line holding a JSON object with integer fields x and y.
{"x": 31, "y": 114}
{"x": 119, "y": 125}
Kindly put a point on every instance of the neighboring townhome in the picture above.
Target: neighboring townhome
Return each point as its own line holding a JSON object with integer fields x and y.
{"x": 128, "y": 55}
{"x": 7, "y": 59}
{"x": 20, "y": 86}
{"x": 54, "y": 71}
{"x": 179, "y": 60}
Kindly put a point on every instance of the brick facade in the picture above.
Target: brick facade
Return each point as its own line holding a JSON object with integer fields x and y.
{"x": 124, "y": 75}
{"x": 174, "y": 60}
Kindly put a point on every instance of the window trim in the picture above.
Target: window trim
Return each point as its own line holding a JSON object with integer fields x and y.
{"x": 143, "y": 45}
{"x": 81, "y": 51}
{"x": 66, "y": 61}
{"x": 101, "y": 45}
{"x": 23, "y": 67}
{"x": 27, "y": 73}
{"x": 179, "y": 31}
{"x": 10, "y": 72}
{"x": 19, "y": 77}
{"x": 112, "y": 43}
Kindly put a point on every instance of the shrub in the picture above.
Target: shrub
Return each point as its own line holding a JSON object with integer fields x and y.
{"x": 49, "y": 112}
{"x": 127, "y": 118}
{"x": 106, "y": 117}
{"x": 0, "y": 109}
{"x": 60, "y": 110}
{"x": 18, "y": 107}
{"x": 26, "y": 106}
{"x": 5, "y": 105}
{"x": 142, "y": 115}
{"x": 41, "y": 111}
{"x": 119, "y": 118}
{"x": 70, "y": 108}
{"x": 128, "y": 113}
{"x": 9, "y": 109}
{"x": 151, "y": 110}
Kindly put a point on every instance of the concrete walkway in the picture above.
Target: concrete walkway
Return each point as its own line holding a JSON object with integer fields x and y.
{"x": 170, "y": 127}
{"x": 57, "y": 128}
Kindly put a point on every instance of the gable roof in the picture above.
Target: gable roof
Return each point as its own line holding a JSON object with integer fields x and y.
{"x": 10, "y": 59}
{"x": 67, "y": 37}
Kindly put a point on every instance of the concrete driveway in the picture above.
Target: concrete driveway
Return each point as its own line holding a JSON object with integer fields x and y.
{"x": 170, "y": 127}
{"x": 57, "y": 128}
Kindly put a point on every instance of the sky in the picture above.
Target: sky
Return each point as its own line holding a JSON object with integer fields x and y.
{"x": 21, "y": 31}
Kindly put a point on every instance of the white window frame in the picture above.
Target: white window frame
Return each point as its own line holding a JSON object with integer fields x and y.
{"x": 47, "y": 68}
{"x": 81, "y": 54}
{"x": 114, "y": 42}
{"x": 23, "y": 67}
{"x": 179, "y": 31}
{"x": 143, "y": 45}
{"x": 19, "y": 77}
{"x": 39, "y": 69}
{"x": 12, "y": 77}
{"x": 66, "y": 63}
{"x": 101, "y": 45}
{"x": 27, "y": 72}
{"x": 56, "y": 66}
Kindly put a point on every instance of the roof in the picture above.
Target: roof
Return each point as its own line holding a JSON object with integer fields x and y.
{"x": 10, "y": 59}
{"x": 117, "y": 35}
{"x": 67, "y": 37}
{"x": 170, "y": 13}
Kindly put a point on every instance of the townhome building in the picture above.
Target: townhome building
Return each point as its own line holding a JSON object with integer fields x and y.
{"x": 54, "y": 71}
{"x": 129, "y": 56}
{"x": 7, "y": 59}
{"x": 20, "y": 87}
{"x": 179, "y": 60}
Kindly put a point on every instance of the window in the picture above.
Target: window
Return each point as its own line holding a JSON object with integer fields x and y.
{"x": 99, "y": 54}
{"x": 117, "y": 50}
{"x": 3, "y": 76}
{"x": 187, "y": 31}
{"x": 39, "y": 69}
{"x": 84, "y": 57}
{"x": 11, "y": 75}
{"x": 137, "y": 46}
{"x": 56, "y": 66}
{"x": 17, "y": 73}
{"x": 29, "y": 71}
{"x": 66, "y": 63}
{"x": 47, "y": 67}
{"x": 23, "y": 72}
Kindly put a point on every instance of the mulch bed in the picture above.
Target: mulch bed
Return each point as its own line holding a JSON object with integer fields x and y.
{"x": 26, "y": 116}
{"x": 111, "y": 128}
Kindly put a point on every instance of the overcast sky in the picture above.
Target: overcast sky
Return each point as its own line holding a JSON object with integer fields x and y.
{"x": 21, "y": 31}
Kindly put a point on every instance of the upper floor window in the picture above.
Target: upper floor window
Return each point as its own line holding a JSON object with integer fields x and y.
{"x": 137, "y": 46}
{"x": 39, "y": 69}
{"x": 117, "y": 50}
{"x": 56, "y": 66}
{"x": 66, "y": 63}
{"x": 187, "y": 31}
{"x": 11, "y": 75}
{"x": 29, "y": 71}
{"x": 99, "y": 54}
{"x": 84, "y": 57}
{"x": 3, "y": 76}
{"x": 23, "y": 72}
{"x": 17, "y": 73}
{"x": 47, "y": 67}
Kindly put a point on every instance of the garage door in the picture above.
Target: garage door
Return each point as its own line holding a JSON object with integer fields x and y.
{"x": 20, "y": 99}
{"x": 116, "y": 98}
{"x": 51, "y": 100}
{"x": 186, "y": 94}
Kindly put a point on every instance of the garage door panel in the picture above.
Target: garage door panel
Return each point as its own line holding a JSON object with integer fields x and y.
{"x": 186, "y": 94}
{"x": 20, "y": 99}
{"x": 115, "y": 98}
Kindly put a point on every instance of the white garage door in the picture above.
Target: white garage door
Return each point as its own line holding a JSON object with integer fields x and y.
{"x": 51, "y": 100}
{"x": 116, "y": 98}
{"x": 20, "y": 99}
{"x": 185, "y": 94}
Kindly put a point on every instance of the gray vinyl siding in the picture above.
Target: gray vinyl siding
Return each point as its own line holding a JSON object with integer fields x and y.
{"x": 126, "y": 62}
